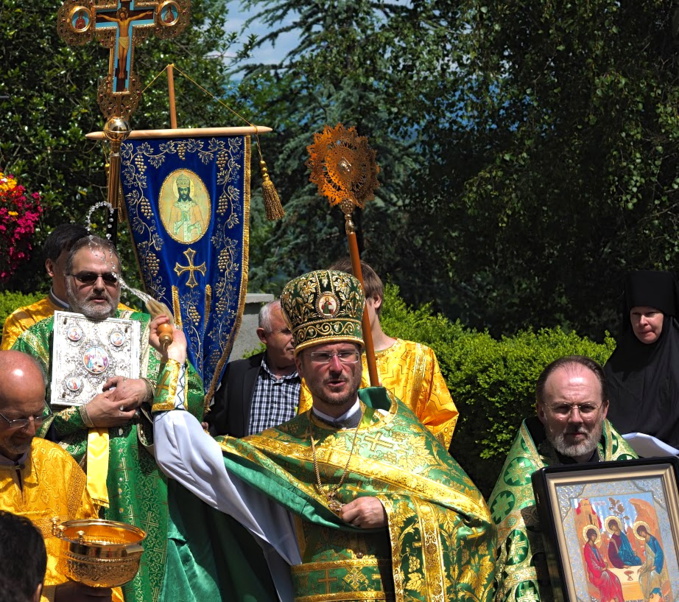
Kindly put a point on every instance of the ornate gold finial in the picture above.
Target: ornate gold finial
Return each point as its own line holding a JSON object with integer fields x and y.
{"x": 343, "y": 167}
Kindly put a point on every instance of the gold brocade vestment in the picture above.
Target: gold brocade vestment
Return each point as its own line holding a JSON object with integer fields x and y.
{"x": 411, "y": 372}
{"x": 49, "y": 485}
{"x": 23, "y": 318}
{"x": 137, "y": 490}
{"x": 521, "y": 572}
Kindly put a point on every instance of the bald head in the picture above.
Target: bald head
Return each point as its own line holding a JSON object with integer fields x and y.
{"x": 22, "y": 395}
{"x": 19, "y": 370}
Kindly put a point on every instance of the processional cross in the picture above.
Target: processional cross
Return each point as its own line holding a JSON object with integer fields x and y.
{"x": 120, "y": 25}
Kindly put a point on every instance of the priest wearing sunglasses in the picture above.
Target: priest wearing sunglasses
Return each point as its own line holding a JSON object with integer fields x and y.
{"x": 55, "y": 252}
{"x": 109, "y": 434}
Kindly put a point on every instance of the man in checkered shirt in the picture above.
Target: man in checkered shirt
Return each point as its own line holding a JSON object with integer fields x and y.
{"x": 261, "y": 391}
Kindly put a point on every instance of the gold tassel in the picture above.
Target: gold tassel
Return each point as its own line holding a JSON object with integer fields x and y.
{"x": 272, "y": 202}
{"x": 120, "y": 199}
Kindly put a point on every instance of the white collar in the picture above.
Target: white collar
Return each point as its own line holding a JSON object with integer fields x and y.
{"x": 57, "y": 301}
{"x": 334, "y": 419}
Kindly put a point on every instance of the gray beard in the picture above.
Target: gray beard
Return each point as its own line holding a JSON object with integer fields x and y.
{"x": 585, "y": 448}
{"x": 90, "y": 311}
{"x": 95, "y": 313}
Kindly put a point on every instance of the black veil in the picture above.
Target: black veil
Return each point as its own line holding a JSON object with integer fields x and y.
{"x": 643, "y": 379}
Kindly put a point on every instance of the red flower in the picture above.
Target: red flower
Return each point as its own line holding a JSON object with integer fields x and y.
{"x": 19, "y": 214}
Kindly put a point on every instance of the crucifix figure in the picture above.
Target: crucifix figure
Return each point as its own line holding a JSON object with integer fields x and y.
{"x": 124, "y": 22}
{"x": 120, "y": 25}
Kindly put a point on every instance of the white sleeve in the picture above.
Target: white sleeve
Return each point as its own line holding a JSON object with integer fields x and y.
{"x": 186, "y": 453}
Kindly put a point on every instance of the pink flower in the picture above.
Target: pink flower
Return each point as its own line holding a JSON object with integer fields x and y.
{"x": 19, "y": 215}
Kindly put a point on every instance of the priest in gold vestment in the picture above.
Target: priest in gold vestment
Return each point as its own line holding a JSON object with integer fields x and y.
{"x": 352, "y": 500}
{"x": 38, "y": 479}
{"x": 407, "y": 369}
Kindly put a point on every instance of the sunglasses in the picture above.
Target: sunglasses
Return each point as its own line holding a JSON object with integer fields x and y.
{"x": 91, "y": 277}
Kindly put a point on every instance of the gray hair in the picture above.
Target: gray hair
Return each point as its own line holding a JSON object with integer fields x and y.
{"x": 265, "y": 314}
{"x": 93, "y": 242}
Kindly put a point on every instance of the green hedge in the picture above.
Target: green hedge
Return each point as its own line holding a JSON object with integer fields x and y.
{"x": 492, "y": 381}
{"x": 9, "y": 301}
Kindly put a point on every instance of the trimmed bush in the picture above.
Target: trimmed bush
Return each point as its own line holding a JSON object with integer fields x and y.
{"x": 492, "y": 381}
{"x": 9, "y": 301}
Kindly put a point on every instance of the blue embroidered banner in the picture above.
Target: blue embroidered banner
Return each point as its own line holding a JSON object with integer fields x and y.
{"x": 188, "y": 204}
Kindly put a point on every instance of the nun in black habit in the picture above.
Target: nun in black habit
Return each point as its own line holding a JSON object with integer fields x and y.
{"x": 643, "y": 372}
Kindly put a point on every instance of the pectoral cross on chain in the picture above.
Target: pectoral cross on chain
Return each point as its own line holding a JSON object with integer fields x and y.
{"x": 120, "y": 25}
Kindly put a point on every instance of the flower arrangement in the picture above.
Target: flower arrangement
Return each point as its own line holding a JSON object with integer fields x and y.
{"x": 19, "y": 214}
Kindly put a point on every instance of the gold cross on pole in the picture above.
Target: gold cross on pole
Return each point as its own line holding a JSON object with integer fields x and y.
{"x": 120, "y": 25}
{"x": 180, "y": 269}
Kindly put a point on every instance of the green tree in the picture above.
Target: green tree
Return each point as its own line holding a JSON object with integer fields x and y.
{"x": 48, "y": 103}
{"x": 529, "y": 149}
{"x": 344, "y": 69}
{"x": 562, "y": 173}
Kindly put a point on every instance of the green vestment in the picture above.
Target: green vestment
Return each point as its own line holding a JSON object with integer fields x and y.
{"x": 521, "y": 572}
{"x": 137, "y": 489}
{"x": 439, "y": 544}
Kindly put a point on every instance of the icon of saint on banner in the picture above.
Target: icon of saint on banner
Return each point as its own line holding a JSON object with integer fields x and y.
{"x": 184, "y": 206}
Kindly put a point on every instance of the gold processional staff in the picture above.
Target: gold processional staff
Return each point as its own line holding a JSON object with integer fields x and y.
{"x": 344, "y": 169}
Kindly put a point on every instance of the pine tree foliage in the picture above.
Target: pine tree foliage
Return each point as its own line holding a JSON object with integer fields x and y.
{"x": 48, "y": 102}
{"x": 529, "y": 149}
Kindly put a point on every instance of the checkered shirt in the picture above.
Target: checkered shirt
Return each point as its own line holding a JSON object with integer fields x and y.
{"x": 274, "y": 401}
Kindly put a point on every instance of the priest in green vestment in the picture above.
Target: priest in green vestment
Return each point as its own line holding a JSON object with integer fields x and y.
{"x": 570, "y": 427}
{"x": 351, "y": 500}
{"x": 109, "y": 436}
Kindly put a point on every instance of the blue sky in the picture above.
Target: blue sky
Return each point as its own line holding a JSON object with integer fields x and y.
{"x": 237, "y": 18}
{"x": 285, "y": 43}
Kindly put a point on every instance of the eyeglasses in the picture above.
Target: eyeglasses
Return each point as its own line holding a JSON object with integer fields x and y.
{"x": 345, "y": 357}
{"x": 89, "y": 278}
{"x": 22, "y": 423}
{"x": 564, "y": 409}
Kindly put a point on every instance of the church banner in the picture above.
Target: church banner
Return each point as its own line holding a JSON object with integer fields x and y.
{"x": 188, "y": 203}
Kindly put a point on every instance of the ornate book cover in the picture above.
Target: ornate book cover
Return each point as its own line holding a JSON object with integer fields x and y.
{"x": 86, "y": 354}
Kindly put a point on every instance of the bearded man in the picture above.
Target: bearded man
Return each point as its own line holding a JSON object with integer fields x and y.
{"x": 185, "y": 214}
{"x": 570, "y": 428}
{"x": 55, "y": 251}
{"x": 129, "y": 485}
